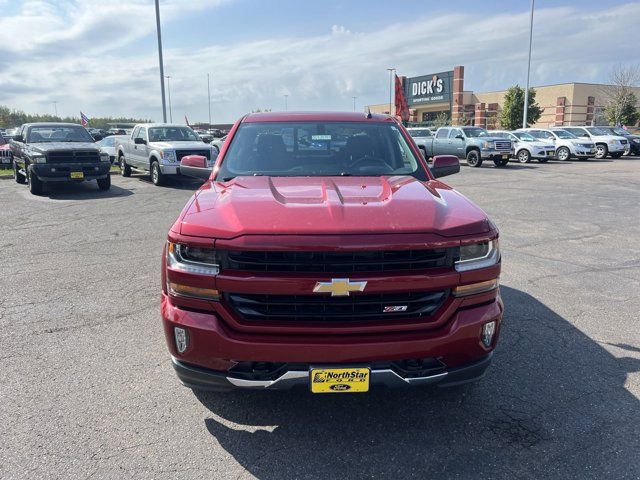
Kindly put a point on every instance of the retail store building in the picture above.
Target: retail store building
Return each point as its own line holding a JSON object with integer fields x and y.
{"x": 438, "y": 96}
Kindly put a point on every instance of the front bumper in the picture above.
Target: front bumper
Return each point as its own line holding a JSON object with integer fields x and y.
{"x": 495, "y": 154}
{"x": 211, "y": 380}
{"x": 53, "y": 172}
{"x": 170, "y": 169}
{"x": 214, "y": 348}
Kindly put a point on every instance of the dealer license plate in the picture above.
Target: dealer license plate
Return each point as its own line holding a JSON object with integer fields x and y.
{"x": 340, "y": 380}
{"x": 77, "y": 175}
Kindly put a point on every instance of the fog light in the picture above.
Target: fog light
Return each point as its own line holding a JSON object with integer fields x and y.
{"x": 488, "y": 329}
{"x": 53, "y": 169}
{"x": 182, "y": 339}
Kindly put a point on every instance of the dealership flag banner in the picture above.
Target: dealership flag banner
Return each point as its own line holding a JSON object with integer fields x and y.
{"x": 84, "y": 119}
{"x": 402, "y": 107}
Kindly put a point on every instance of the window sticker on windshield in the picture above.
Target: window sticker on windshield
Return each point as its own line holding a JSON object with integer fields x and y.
{"x": 320, "y": 137}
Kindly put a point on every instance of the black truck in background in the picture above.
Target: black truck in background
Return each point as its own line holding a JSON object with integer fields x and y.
{"x": 57, "y": 152}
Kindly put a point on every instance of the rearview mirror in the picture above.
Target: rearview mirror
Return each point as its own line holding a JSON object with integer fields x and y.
{"x": 195, "y": 166}
{"x": 18, "y": 138}
{"x": 139, "y": 141}
{"x": 444, "y": 165}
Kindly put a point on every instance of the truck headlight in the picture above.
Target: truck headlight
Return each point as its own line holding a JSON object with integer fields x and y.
{"x": 612, "y": 142}
{"x": 38, "y": 158}
{"x": 478, "y": 255}
{"x": 487, "y": 145}
{"x": 197, "y": 260}
{"x": 636, "y": 140}
{"x": 169, "y": 155}
{"x": 104, "y": 157}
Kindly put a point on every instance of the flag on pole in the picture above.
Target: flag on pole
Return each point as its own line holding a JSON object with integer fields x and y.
{"x": 186, "y": 120}
{"x": 84, "y": 119}
{"x": 402, "y": 107}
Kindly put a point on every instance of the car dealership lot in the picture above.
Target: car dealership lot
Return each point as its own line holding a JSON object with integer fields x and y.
{"x": 88, "y": 390}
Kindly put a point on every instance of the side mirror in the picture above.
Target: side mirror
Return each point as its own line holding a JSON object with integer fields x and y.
{"x": 460, "y": 136}
{"x": 195, "y": 166}
{"x": 139, "y": 141}
{"x": 18, "y": 138}
{"x": 444, "y": 165}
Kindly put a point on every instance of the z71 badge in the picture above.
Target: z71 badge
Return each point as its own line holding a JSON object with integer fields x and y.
{"x": 394, "y": 308}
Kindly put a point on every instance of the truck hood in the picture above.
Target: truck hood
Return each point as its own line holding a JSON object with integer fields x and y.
{"x": 49, "y": 146}
{"x": 330, "y": 205}
{"x": 179, "y": 145}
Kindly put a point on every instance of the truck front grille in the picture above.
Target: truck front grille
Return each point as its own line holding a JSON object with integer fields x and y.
{"x": 324, "y": 308}
{"x": 338, "y": 262}
{"x": 503, "y": 145}
{"x": 184, "y": 153}
{"x": 74, "y": 156}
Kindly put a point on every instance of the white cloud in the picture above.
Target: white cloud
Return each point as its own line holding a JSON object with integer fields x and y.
{"x": 317, "y": 72}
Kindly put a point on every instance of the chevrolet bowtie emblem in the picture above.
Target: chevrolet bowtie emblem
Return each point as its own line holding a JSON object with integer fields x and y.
{"x": 339, "y": 287}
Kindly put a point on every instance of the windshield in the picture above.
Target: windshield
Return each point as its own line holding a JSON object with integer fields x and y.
{"x": 423, "y": 132}
{"x": 475, "y": 132}
{"x": 527, "y": 137}
{"x": 564, "y": 134}
{"x": 107, "y": 142}
{"x": 293, "y": 149}
{"x": 44, "y": 134}
{"x": 172, "y": 134}
{"x": 597, "y": 131}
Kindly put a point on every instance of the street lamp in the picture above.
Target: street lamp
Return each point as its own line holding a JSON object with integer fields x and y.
{"x": 168, "y": 77}
{"x": 354, "y": 103}
{"x": 526, "y": 90}
{"x": 209, "y": 97}
{"x": 285, "y": 102}
{"x": 55, "y": 106}
{"x": 164, "y": 105}
{"x": 391, "y": 72}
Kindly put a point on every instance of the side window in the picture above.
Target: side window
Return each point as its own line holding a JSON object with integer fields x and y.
{"x": 442, "y": 133}
{"x": 549, "y": 135}
{"x": 454, "y": 132}
{"x": 135, "y": 132}
{"x": 142, "y": 133}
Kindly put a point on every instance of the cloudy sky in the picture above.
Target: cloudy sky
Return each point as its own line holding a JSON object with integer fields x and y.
{"x": 101, "y": 56}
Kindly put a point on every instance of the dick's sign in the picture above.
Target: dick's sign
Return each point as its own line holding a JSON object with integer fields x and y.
{"x": 434, "y": 88}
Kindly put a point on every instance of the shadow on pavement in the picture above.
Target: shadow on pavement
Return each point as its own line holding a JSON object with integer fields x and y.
{"x": 82, "y": 191}
{"x": 181, "y": 183}
{"x": 553, "y": 404}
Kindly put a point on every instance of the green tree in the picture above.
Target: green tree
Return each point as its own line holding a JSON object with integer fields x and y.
{"x": 513, "y": 108}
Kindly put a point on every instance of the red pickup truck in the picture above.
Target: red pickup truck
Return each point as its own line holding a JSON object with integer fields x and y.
{"x": 322, "y": 252}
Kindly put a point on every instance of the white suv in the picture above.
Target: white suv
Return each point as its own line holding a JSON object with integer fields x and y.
{"x": 605, "y": 144}
{"x": 567, "y": 145}
{"x": 526, "y": 146}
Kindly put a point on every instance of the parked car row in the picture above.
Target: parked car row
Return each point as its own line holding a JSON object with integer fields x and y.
{"x": 542, "y": 144}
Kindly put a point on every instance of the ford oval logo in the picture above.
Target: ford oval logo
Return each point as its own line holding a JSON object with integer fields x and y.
{"x": 340, "y": 387}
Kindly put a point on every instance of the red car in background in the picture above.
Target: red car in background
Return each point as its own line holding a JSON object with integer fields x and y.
{"x": 323, "y": 252}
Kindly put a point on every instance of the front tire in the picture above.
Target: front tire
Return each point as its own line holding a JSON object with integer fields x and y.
{"x": 17, "y": 176}
{"x": 125, "y": 170}
{"x": 500, "y": 162}
{"x": 104, "y": 183}
{"x": 563, "y": 154}
{"x": 36, "y": 185}
{"x": 157, "y": 178}
{"x": 474, "y": 159}
{"x": 524, "y": 156}
{"x": 601, "y": 151}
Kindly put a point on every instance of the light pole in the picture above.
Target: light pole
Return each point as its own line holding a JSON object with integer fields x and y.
{"x": 209, "y": 97}
{"x": 285, "y": 102}
{"x": 354, "y": 103}
{"x": 168, "y": 77}
{"x": 55, "y": 107}
{"x": 164, "y": 105}
{"x": 391, "y": 72}
{"x": 526, "y": 90}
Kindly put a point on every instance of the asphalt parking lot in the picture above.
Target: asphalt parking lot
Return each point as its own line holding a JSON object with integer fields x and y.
{"x": 87, "y": 389}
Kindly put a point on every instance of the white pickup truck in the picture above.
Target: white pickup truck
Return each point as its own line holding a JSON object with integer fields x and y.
{"x": 157, "y": 148}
